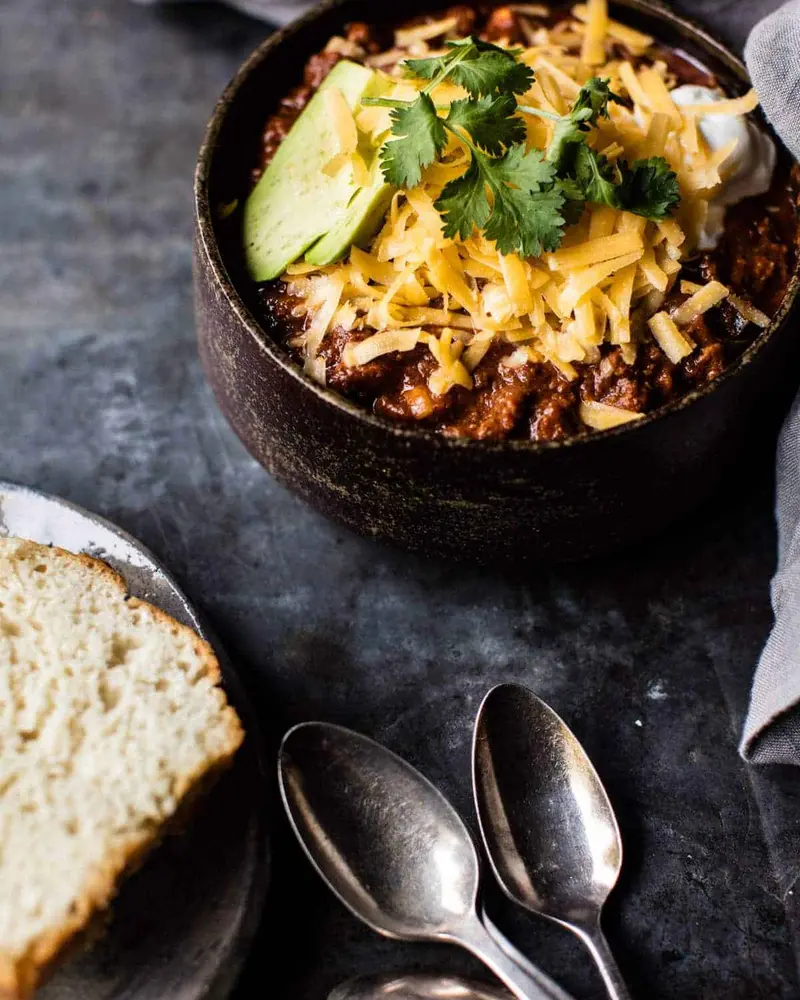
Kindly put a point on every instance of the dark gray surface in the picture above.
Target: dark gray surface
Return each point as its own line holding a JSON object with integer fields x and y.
{"x": 102, "y": 400}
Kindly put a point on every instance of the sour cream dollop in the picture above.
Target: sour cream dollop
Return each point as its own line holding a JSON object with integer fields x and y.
{"x": 746, "y": 172}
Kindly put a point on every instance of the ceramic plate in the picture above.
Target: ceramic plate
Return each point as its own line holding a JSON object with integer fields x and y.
{"x": 181, "y": 926}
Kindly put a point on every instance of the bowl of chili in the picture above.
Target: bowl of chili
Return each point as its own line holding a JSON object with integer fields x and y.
{"x": 510, "y": 468}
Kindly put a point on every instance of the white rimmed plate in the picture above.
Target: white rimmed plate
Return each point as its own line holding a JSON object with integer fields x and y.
{"x": 181, "y": 926}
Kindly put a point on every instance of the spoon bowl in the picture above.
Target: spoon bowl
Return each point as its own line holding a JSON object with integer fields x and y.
{"x": 391, "y": 847}
{"x": 546, "y": 820}
{"x": 416, "y": 986}
{"x": 404, "y": 863}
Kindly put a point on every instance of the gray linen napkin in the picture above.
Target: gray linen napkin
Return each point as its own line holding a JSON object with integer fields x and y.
{"x": 772, "y": 54}
{"x": 274, "y": 11}
{"x": 771, "y": 731}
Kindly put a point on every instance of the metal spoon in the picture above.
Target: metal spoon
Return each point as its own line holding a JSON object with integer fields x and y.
{"x": 548, "y": 826}
{"x": 390, "y": 846}
{"x": 416, "y": 986}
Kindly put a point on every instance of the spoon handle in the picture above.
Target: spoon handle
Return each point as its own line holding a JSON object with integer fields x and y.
{"x": 510, "y": 949}
{"x": 524, "y": 980}
{"x": 595, "y": 941}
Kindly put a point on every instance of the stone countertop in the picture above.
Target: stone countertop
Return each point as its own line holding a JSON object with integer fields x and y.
{"x": 648, "y": 655}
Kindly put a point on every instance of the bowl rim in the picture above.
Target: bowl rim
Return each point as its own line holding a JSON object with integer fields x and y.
{"x": 691, "y": 29}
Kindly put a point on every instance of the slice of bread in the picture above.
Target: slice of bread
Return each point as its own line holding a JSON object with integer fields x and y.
{"x": 111, "y": 714}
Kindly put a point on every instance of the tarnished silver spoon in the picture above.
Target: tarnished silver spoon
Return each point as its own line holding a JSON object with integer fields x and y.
{"x": 548, "y": 826}
{"x": 417, "y": 986}
{"x": 391, "y": 847}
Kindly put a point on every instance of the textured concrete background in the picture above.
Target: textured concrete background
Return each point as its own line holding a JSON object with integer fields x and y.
{"x": 102, "y": 400}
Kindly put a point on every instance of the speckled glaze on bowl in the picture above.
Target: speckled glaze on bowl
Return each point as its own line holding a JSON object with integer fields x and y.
{"x": 507, "y": 500}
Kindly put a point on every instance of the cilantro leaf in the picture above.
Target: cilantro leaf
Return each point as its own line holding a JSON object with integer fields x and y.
{"x": 490, "y": 121}
{"x": 480, "y": 67}
{"x": 567, "y": 132}
{"x": 421, "y": 136}
{"x": 649, "y": 188}
{"x": 574, "y": 199}
{"x": 526, "y": 170}
{"x": 590, "y": 104}
{"x": 492, "y": 73}
{"x": 526, "y": 223}
{"x": 463, "y": 203}
{"x": 524, "y": 216}
{"x": 596, "y": 177}
{"x": 525, "y": 219}
{"x": 592, "y": 100}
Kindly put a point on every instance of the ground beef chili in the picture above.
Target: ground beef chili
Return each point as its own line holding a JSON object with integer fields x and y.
{"x": 756, "y": 257}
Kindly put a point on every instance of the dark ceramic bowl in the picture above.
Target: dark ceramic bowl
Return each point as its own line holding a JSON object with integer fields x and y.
{"x": 449, "y": 496}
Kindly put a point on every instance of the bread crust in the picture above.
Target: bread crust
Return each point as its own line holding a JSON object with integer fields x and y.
{"x": 22, "y": 972}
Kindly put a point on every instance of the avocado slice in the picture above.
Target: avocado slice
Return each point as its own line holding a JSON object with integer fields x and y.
{"x": 361, "y": 220}
{"x": 295, "y": 202}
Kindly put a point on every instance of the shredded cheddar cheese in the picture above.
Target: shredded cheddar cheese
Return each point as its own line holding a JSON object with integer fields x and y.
{"x": 593, "y": 50}
{"x": 404, "y": 37}
{"x": 733, "y": 106}
{"x": 381, "y": 343}
{"x": 705, "y": 298}
{"x": 341, "y": 119}
{"x": 672, "y": 342}
{"x": 596, "y": 251}
{"x": 601, "y": 416}
{"x": 413, "y": 289}
{"x": 636, "y": 41}
{"x": 748, "y": 311}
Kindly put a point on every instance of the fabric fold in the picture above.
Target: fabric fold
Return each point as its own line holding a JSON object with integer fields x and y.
{"x": 771, "y": 733}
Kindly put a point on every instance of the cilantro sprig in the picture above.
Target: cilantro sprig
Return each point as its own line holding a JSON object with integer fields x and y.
{"x": 490, "y": 75}
{"x": 570, "y": 130}
{"x": 521, "y": 198}
{"x": 508, "y": 192}
{"x": 648, "y": 188}
{"x": 477, "y": 66}
{"x": 524, "y": 215}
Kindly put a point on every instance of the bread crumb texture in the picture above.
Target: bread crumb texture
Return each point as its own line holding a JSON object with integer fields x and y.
{"x": 110, "y": 713}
